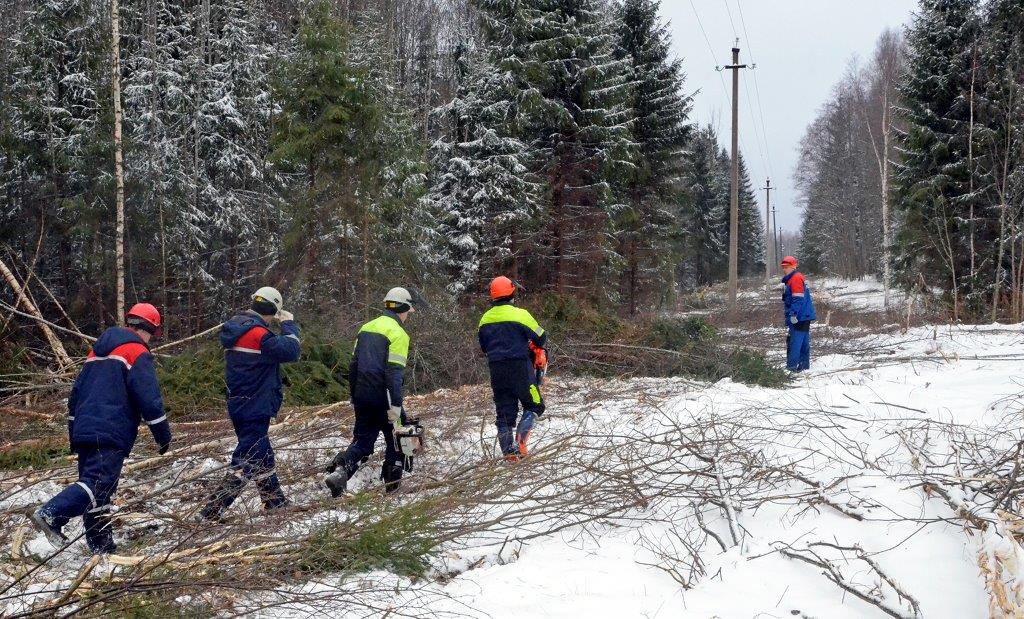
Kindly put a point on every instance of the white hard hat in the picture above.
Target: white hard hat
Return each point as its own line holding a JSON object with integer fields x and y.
{"x": 267, "y": 293}
{"x": 397, "y": 295}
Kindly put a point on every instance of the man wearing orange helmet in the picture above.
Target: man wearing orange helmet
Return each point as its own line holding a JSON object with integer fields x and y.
{"x": 799, "y": 312}
{"x": 514, "y": 344}
{"x": 116, "y": 390}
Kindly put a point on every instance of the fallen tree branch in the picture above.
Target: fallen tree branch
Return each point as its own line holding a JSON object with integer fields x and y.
{"x": 833, "y": 573}
{"x": 63, "y": 359}
{"x": 187, "y": 339}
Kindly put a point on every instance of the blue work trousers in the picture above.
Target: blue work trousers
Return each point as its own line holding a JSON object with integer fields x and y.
{"x": 798, "y": 348}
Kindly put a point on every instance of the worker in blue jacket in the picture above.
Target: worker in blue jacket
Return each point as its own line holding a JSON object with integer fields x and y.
{"x": 253, "y": 356}
{"x": 376, "y": 383}
{"x": 514, "y": 344}
{"x": 799, "y": 312}
{"x": 116, "y": 390}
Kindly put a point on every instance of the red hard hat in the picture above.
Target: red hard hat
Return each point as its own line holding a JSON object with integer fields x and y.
{"x": 789, "y": 261}
{"x": 146, "y": 312}
{"x": 501, "y": 287}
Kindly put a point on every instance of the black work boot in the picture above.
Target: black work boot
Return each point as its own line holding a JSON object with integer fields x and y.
{"x": 392, "y": 475}
{"x": 271, "y": 493}
{"x": 336, "y": 461}
{"x": 49, "y": 526}
{"x": 341, "y": 470}
{"x": 337, "y": 482}
{"x": 507, "y": 442}
{"x": 222, "y": 498}
{"x": 99, "y": 532}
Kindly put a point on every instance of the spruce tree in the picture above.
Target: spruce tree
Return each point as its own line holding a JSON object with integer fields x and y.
{"x": 480, "y": 194}
{"x": 1001, "y": 159}
{"x": 319, "y": 94}
{"x": 702, "y": 244}
{"x": 159, "y": 110}
{"x": 751, "y": 241}
{"x": 659, "y": 129}
{"x": 350, "y": 149}
{"x": 932, "y": 180}
{"x": 394, "y": 217}
{"x": 58, "y": 149}
{"x": 572, "y": 91}
{"x": 234, "y": 125}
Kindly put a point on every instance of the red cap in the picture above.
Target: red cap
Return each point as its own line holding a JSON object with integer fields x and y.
{"x": 502, "y": 287}
{"x": 146, "y": 312}
{"x": 789, "y": 261}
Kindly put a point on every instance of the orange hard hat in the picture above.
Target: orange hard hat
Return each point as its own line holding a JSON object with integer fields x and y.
{"x": 502, "y": 287}
{"x": 789, "y": 261}
{"x": 146, "y": 313}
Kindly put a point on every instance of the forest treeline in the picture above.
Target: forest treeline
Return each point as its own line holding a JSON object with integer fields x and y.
{"x": 338, "y": 148}
{"x": 914, "y": 169}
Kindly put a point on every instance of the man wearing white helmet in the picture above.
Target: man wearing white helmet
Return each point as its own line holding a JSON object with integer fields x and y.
{"x": 376, "y": 384}
{"x": 252, "y": 371}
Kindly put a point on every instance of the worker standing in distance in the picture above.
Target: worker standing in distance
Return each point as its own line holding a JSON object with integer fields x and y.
{"x": 376, "y": 382}
{"x": 116, "y": 390}
{"x": 514, "y": 345}
{"x": 799, "y": 312}
{"x": 253, "y": 355}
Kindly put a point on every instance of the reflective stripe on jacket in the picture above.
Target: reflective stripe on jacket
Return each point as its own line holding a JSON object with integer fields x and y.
{"x": 377, "y": 371}
{"x": 116, "y": 390}
{"x": 506, "y": 331}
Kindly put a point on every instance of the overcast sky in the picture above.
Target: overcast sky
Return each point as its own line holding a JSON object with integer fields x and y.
{"x": 801, "y": 48}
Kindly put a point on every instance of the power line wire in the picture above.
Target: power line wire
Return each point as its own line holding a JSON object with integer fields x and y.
{"x": 731, "y": 22}
{"x": 714, "y": 57}
{"x": 757, "y": 89}
{"x": 711, "y": 48}
{"x": 763, "y": 138}
{"x": 753, "y": 122}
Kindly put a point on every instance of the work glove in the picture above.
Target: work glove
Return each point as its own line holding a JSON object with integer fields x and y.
{"x": 285, "y": 315}
{"x": 395, "y": 415}
{"x": 793, "y": 320}
{"x": 162, "y": 436}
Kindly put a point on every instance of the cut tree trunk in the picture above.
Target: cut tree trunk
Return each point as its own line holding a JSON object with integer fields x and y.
{"x": 63, "y": 360}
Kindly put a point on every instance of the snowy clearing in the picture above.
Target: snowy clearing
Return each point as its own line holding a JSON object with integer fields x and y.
{"x": 882, "y": 468}
{"x": 855, "y": 430}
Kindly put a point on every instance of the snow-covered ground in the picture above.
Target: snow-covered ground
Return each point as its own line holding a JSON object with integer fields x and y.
{"x": 854, "y": 419}
{"x": 863, "y": 294}
{"x": 877, "y": 471}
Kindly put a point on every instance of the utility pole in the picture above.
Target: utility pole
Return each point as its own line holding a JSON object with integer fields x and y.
{"x": 734, "y": 206}
{"x": 767, "y": 237}
{"x": 775, "y": 231}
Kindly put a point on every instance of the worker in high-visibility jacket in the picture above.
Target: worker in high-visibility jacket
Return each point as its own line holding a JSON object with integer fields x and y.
{"x": 376, "y": 383}
{"x": 514, "y": 345}
{"x": 799, "y": 312}
{"x": 116, "y": 390}
{"x": 253, "y": 355}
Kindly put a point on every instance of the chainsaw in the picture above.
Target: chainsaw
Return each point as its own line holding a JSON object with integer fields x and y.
{"x": 409, "y": 440}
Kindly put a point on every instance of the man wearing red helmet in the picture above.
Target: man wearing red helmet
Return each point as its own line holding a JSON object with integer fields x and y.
{"x": 116, "y": 390}
{"x": 514, "y": 344}
{"x": 799, "y": 312}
